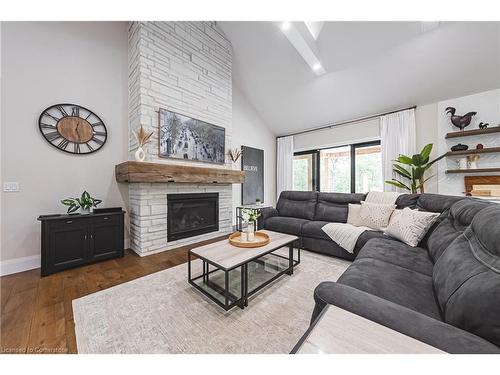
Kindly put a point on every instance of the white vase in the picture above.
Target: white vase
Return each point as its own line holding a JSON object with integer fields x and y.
{"x": 140, "y": 155}
{"x": 85, "y": 211}
{"x": 251, "y": 231}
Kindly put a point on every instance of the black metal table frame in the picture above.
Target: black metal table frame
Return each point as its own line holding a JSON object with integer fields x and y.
{"x": 231, "y": 300}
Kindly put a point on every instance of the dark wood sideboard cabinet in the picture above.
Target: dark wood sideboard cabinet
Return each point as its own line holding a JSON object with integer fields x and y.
{"x": 70, "y": 241}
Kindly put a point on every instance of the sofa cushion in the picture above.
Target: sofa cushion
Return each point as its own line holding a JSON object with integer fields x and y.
{"x": 394, "y": 283}
{"x": 398, "y": 253}
{"x": 467, "y": 277}
{"x": 451, "y": 224}
{"x": 283, "y": 224}
{"x": 299, "y": 204}
{"x": 332, "y": 207}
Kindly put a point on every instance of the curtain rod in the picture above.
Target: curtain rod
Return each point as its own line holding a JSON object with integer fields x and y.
{"x": 345, "y": 122}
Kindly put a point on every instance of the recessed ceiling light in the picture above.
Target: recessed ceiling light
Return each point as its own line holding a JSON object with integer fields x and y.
{"x": 285, "y": 26}
{"x": 316, "y": 67}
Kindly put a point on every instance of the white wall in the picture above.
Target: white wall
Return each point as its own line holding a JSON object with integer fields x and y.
{"x": 426, "y": 132}
{"x": 44, "y": 63}
{"x": 250, "y": 130}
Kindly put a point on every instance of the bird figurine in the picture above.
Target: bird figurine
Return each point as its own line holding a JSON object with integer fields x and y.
{"x": 460, "y": 121}
{"x": 483, "y": 125}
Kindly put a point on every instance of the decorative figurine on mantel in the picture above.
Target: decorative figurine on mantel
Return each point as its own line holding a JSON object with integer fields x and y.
{"x": 142, "y": 139}
{"x": 234, "y": 155}
{"x": 460, "y": 121}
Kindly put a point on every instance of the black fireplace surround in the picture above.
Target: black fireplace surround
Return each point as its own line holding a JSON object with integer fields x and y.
{"x": 190, "y": 215}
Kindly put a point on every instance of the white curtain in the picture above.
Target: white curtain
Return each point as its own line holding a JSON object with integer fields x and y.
{"x": 397, "y": 131}
{"x": 284, "y": 164}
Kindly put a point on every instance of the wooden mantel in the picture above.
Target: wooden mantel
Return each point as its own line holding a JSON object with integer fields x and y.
{"x": 135, "y": 171}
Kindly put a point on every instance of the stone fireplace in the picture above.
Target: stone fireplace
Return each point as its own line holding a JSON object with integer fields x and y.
{"x": 183, "y": 67}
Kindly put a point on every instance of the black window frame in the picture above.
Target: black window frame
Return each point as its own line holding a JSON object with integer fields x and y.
{"x": 316, "y": 178}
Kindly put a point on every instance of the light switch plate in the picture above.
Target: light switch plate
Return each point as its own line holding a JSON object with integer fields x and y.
{"x": 11, "y": 186}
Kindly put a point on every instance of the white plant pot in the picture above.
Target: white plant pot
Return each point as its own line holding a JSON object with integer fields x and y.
{"x": 85, "y": 211}
{"x": 140, "y": 155}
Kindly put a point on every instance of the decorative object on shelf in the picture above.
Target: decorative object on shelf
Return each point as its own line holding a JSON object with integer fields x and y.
{"x": 459, "y": 147}
{"x": 252, "y": 163}
{"x": 483, "y": 186}
{"x": 261, "y": 239}
{"x": 258, "y": 202}
{"x": 463, "y": 163}
{"x": 479, "y": 146}
{"x": 142, "y": 139}
{"x": 460, "y": 121}
{"x": 72, "y": 128}
{"x": 418, "y": 164}
{"x": 183, "y": 137}
{"x": 234, "y": 155}
{"x": 472, "y": 161}
{"x": 483, "y": 125}
{"x": 84, "y": 203}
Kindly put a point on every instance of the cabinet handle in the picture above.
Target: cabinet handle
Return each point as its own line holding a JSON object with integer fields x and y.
{"x": 85, "y": 237}
{"x": 69, "y": 221}
{"x": 91, "y": 236}
{"x": 106, "y": 218}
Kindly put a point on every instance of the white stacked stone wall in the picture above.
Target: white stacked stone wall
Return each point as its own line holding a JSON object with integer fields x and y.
{"x": 184, "y": 67}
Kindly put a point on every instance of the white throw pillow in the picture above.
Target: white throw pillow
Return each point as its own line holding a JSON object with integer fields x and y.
{"x": 353, "y": 217}
{"x": 376, "y": 215}
{"x": 410, "y": 226}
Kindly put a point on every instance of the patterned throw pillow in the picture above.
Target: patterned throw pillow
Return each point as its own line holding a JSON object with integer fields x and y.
{"x": 410, "y": 226}
{"x": 353, "y": 217}
{"x": 376, "y": 215}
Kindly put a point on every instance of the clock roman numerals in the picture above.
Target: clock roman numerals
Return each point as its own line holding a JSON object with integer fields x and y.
{"x": 63, "y": 144}
{"x": 51, "y": 116}
{"x": 61, "y": 109}
{"x": 72, "y": 128}
{"x": 47, "y": 126}
{"x": 98, "y": 141}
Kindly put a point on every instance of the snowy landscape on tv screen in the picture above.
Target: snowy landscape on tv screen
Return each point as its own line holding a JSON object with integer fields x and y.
{"x": 183, "y": 137}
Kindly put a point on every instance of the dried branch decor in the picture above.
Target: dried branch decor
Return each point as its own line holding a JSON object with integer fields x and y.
{"x": 142, "y": 137}
{"x": 234, "y": 154}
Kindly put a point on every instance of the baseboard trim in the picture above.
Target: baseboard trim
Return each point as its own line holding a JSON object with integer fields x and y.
{"x": 8, "y": 267}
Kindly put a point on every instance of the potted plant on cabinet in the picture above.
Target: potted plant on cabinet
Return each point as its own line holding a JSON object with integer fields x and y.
{"x": 84, "y": 203}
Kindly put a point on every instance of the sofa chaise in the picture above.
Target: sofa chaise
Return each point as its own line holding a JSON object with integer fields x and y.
{"x": 444, "y": 292}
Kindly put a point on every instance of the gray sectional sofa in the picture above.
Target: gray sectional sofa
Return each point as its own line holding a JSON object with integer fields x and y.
{"x": 445, "y": 292}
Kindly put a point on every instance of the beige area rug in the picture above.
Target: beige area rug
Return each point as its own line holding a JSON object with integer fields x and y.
{"x": 162, "y": 313}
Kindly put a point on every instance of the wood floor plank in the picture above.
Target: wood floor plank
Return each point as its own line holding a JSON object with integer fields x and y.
{"x": 37, "y": 313}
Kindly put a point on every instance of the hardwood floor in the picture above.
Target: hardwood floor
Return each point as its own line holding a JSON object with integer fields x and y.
{"x": 37, "y": 314}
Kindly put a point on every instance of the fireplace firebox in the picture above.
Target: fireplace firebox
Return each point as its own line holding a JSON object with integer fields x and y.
{"x": 190, "y": 215}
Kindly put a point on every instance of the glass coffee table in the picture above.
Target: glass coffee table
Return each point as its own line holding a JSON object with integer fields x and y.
{"x": 228, "y": 275}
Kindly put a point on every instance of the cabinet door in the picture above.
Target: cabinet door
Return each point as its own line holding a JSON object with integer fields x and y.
{"x": 67, "y": 245}
{"x": 106, "y": 238}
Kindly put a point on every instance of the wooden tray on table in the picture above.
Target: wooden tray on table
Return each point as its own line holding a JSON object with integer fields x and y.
{"x": 261, "y": 239}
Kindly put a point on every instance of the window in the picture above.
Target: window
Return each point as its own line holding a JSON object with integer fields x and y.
{"x": 353, "y": 168}
{"x": 304, "y": 171}
{"x": 335, "y": 169}
{"x": 368, "y": 168}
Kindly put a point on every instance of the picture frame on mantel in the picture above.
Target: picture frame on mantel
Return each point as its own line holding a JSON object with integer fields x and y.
{"x": 252, "y": 163}
{"x": 186, "y": 138}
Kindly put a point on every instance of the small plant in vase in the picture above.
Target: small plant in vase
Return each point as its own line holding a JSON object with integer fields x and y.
{"x": 84, "y": 203}
{"x": 250, "y": 216}
{"x": 142, "y": 139}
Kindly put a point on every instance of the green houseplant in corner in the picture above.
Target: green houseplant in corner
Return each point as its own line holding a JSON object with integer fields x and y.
{"x": 85, "y": 202}
{"x": 411, "y": 170}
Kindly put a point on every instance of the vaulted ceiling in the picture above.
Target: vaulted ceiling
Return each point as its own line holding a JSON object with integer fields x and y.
{"x": 370, "y": 67}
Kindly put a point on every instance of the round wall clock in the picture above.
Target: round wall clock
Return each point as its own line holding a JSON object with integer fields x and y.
{"x": 72, "y": 128}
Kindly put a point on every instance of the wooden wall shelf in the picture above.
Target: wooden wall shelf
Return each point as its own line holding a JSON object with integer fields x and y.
{"x": 465, "y": 133}
{"x": 474, "y": 151}
{"x": 478, "y": 170}
{"x": 134, "y": 171}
